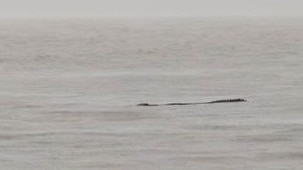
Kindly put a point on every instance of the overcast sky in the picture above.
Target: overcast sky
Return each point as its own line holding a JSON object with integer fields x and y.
{"x": 138, "y": 8}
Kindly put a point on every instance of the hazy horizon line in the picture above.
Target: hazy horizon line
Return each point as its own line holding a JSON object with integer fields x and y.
{"x": 147, "y": 16}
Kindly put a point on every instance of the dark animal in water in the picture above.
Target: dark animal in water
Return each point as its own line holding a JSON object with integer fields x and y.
{"x": 226, "y": 101}
{"x": 211, "y": 102}
{"x": 147, "y": 104}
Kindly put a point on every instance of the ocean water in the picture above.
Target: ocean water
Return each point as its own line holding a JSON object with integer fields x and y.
{"x": 69, "y": 89}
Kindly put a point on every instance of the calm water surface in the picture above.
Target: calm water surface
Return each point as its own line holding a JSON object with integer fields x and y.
{"x": 69, "y": 89}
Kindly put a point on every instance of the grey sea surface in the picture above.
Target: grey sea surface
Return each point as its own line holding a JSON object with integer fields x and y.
{"x": 69, "y": 89}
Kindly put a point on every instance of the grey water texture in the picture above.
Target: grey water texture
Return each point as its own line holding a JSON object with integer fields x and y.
{"x": 69, "y": 90}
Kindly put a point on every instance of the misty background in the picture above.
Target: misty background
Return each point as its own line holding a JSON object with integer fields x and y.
{"x": 148, "y": 8}
{"x": 69, "y": 87}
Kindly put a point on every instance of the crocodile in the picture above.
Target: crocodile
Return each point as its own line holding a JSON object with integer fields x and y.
{"x": 196, "y": 103}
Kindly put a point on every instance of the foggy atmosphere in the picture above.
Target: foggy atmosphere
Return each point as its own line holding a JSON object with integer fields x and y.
{"x": 151, "y": 84}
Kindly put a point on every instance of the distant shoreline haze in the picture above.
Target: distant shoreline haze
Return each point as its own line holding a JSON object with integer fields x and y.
{"x": 149, "y": 8}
